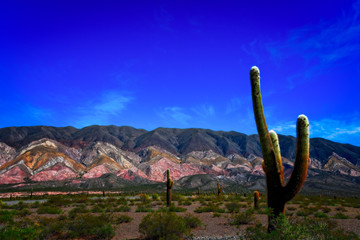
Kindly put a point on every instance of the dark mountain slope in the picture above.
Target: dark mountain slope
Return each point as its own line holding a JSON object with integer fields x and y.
{"x": 176, "y": 141}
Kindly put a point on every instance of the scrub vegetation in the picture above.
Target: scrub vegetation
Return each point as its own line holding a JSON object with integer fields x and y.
{"x": 96, "y": 217}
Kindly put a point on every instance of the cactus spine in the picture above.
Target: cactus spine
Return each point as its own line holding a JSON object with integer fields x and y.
{"x": 256, "y": 199}
{"x": 278, "y": 193}
{"x": 169, "y": 185}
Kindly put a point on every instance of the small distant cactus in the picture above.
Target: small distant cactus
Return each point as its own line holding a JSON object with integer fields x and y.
{"x": 219, "y": 188}
{"x": 256, "y": 199}
{"x": 278, "y": 193}
{"x": 169, "y": 185}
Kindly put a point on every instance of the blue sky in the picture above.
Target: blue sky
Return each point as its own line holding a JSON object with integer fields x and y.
{"x": 182, "y": 64}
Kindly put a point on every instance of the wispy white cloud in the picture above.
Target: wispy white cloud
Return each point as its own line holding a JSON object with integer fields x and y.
{"x": 337, "y": 130}
{"x": 288, "y": 128}
{"x": 101, "y": 111}
{"x": 236, "y": 104}
{"x": 325, "y": 43}
{"x": 175, "y": 116}
{"x": 38, "y": 114}
{"x": 329, "y": 41}
{"x": 204, "y": 110}
{"x": 344, "y": 130}
{"x": 252, "y": 50}
{"x": 186, "y": 117}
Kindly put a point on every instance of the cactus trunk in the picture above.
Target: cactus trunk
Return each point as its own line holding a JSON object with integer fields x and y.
{"x": 278, "y": 193}
{"x": 256, "y": 199}
{"x": 169, "y": 185}
{"x": 219, "y": 187}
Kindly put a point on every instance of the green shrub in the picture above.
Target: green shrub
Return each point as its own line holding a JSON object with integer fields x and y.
{"x": 5, "y": 206}
{"x": 340, "y": 216}
{"x": 172, "y": 208}
{"x": 36, "y": 204}
{"x": 192, "y": 221}
{"x": 357, "y": 216}
{"x": 59, "y": 201}
{"x": 20, "y": 205}
{"x": 7, "y": 216}
{"x": 122, "y": 201}
{"x": 291, "y": 228}
{"x": 341, "y": 209}
{"x": 111, "y": 200}
{"x": 62, "y": 217}
{"x": 326, "y": 209}
{"x": 90, "y": 227}
{"x": 243, "y": 218}
{"x": 12, "y": 232}
{"x": 23, "y": 212}
{"x": 144, "y": 198}
{"x": 48, "y": 210}
{"x": 291, "y": 208}
{"x": 209, "y": 208}
{"x": 163, "y": 225}
{"x": 215, "y": 214}
{"x": 233, "y": 207}
{"x": 81, "y": 199}
{"x": 73, "y": 212}
{"x": 142, "y": 208}
{"x": 97, "y": 209}
{"x": 155, "y": 197}
{"x": 303, "y": 212}
{"x": 123, "y": 219}
{"x": 187, "y": 202}
{"x": 53, "y": 228}
{"x": 121, "y": 208}
{"x": 321, "y": 215}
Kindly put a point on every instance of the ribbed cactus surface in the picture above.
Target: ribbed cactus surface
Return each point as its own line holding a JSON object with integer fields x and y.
{"x": 219, "y": 188}
{"x": 169, "y": 185}
{"x": 256, "y": 199}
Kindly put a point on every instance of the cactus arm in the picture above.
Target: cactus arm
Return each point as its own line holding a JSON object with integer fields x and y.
{"x": 269, "y": 164}
{"x": 170, "y": 183}
{"x": 259, "y": 113}
{"x": 276, "y": 146}
{"x": 299, "y": 173}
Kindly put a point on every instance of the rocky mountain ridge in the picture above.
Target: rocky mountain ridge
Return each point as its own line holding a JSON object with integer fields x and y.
{"x": 36, "y": 154}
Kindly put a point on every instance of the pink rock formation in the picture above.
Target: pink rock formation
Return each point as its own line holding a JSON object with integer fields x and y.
{"x": 96, "y": 172}
{"x": 130, "y": 174}
{"x": 258, "y": 171}
{"x": 14, "y": 175}
{"x": 56, "y": 173}
{"x": 156, "y": 172}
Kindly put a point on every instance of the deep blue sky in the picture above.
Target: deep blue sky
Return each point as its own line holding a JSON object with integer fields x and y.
{"x": 183, "y": 64}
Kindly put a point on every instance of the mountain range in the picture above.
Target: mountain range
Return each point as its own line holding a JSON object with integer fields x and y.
{"x": 77, "y": 157}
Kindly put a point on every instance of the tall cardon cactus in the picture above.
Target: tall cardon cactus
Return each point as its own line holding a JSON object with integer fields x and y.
{"x": 219, "y": 188}
{"x": 169, "y": 185}
{"x": 278, "y": 193}
{"x": 256, "y": 199}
